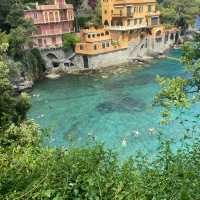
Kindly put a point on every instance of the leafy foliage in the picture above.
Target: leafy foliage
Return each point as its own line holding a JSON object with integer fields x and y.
{"x": 11, "y": 109}
{"x": 70, "y": 39}
{"x": 181, "y": 13}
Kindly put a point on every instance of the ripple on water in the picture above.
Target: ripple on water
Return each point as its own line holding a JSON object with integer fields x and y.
{"x": 134, "y": 81}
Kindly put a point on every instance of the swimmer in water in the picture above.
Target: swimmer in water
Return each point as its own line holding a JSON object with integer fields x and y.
{"x": 152, "y": 131}
{"x": 124, "y": 142}
{"x": 136, "y": 133}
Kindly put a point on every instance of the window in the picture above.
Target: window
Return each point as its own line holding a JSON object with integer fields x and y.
{"x": 40, "y": 42}
{"x": 95, "y": 47}
{"x": 102, "y": 34}
{"x": 39, "y": 30}
{"x": 103, "y": 45}
{"x": 135, "y": 21}
{"x": 149, "y": 8}
{"x": 56, "y": 16}
{"x": 81, "y": 47}
{"x": 35, "y": 15}
{"x": 105, "y": 11}
{"x": 46, "y": 17}
{"x": 129, "y": 11}
{"x": 98, "y": 35}
{"x": 128, "y": 22}
{"x": 140, "y": 20}
{"x": 93, "y": 35}
{"x": 136, "y": 9}
{"x": 51, "y": 17}
{"x": 53, "y": 39}
{"x": 107, "y": 33}
{"x": 107, "y": 44}
{"x": 89, "y": 36}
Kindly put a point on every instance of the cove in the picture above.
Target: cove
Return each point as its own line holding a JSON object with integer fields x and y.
{"x": 113, "y": 107}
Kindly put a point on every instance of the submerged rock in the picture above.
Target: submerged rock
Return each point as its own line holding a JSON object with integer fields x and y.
{"x": 124, "y": 105}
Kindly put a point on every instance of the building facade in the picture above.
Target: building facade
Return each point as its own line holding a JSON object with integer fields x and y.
{"x": 129, "y": 14}
{"x": 96, "y": 41}
{"x": 51, "y": 22}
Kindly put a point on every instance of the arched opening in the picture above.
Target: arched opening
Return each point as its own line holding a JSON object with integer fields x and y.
{"x": 51, "y": 56}
{"x": 55, "y": 64}
{"x": 172, "y": 36}
{"x": 176, "y": 37}
{"x": 107, "y": 33}
{"x": 106, "y": 23}
{"x": 166, "y": 37}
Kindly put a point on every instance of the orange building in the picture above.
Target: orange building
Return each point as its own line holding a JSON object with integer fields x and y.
{"x": 97, "y": 41}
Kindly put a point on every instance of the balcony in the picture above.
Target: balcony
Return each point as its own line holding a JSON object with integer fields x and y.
{"x": 150, "y": 14}
{"x": 126, "y": 28}
{"x": 49, "y": 33}
{"x": 123, "y": 14}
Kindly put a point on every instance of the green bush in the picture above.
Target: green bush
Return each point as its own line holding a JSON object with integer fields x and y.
{"x": 70, "y": 40}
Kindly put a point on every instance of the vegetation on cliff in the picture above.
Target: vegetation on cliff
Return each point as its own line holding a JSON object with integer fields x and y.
{"x": 27, "y": 63}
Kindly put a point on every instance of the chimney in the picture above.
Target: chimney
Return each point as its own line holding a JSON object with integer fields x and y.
{"x": 59, "y": 2}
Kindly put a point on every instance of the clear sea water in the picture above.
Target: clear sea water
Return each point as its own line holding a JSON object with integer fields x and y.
{"x": 113, "y": 106}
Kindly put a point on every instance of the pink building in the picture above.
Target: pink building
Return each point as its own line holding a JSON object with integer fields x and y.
{"x": 52, "y": 21}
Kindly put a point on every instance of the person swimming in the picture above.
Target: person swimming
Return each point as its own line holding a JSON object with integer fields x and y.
{"x": 124, "y": 142}
{"x": 136, "y": 133}
{"x": 152, "y": 131}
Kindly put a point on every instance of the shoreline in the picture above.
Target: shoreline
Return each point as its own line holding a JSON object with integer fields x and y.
{"x": 56, "y": 73}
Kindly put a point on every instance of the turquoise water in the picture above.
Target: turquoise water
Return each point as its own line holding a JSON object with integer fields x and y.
{"x": 113, "y": 106}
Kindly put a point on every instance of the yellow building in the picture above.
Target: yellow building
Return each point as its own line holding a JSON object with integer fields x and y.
{"x": 129, "y": 14}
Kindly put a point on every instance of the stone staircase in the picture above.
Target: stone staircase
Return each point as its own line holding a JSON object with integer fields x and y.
{"x": 135, "y": 52}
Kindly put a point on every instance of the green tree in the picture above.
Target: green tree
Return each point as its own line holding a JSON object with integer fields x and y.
{"x": 22, "y": 106}
{"x": 70, "y": 40}
{"x": 181, "y": 13}
{"x": 180, "y": 92}
{"x": 7, "y": 102}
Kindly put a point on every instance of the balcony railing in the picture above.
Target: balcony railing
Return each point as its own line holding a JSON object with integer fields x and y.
{"x": 42, "y": 21}
{"x": 124, "y": 28}
{"x": 49, "y": 33}
{"x": 124, "y": 14}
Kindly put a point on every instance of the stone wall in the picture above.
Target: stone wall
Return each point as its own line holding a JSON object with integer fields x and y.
{"x": 108, "y": 59}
